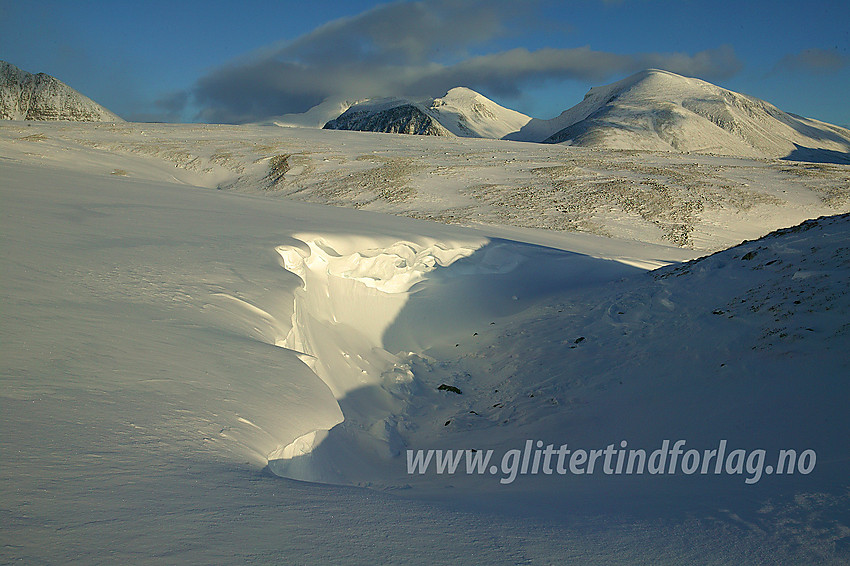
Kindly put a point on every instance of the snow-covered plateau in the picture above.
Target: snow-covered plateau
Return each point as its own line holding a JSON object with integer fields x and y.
{"x": 219, "y": 344}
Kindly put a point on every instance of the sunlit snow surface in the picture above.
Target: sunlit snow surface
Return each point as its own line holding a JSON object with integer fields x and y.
{"x": 660, "y": 110}
{"x": 176, "y": 337}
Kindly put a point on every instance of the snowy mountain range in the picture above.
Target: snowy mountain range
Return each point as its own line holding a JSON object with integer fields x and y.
{"x": 652, "y": 110}
{"x": 461, "y": 112}
{"x": 660, "y": 110}
{"x": 25, "y": 96}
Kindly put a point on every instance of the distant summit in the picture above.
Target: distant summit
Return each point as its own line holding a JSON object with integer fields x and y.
{"x": 461, "y": 112}
{"x": 389, "y": 115}
{"x": 652, "y": 110}
{"x": 24, "y": 96}
{"x": 659, "y": 110}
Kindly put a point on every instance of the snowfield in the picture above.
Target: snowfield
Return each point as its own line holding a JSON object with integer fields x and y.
{"x": 204, "y": 362}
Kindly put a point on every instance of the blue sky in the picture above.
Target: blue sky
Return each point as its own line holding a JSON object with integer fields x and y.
{"x": 240, "y": 61}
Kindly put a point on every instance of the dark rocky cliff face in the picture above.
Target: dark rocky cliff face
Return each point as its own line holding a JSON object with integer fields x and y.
{"x": 403, "y": 119}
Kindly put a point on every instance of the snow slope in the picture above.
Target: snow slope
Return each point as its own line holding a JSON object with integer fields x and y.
{"x": 659, "y": 110}
{"x": 461, "y": 112}
{"x": 165, "y": 345}
{"x": 467, "y": 113}
{"x": 746, "y": 345}
{"x": 694, "y": 201}
{"x": 316, "y": 117}
{"x": 24, "y": 96}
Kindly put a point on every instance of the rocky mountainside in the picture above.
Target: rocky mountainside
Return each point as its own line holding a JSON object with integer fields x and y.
{"x": 659, "y": 110}
{"x": 25, "y": 96}
{"x": 392, "y": 116}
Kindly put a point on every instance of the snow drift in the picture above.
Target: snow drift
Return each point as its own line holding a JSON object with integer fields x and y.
{"x": 383, "y": 325}
{"x": 351, "y": 292}
{"x": 368, "y": 310}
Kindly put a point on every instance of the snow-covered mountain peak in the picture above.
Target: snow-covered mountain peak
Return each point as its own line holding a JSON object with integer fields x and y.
{"x": 660, "y": 110}
{"x": 461, "y": 112}
{"x": 25, "y": 96}
{"x": 468, "y": 113}
{"x": 465, "y": 98}
{"x": 462, "y": 93}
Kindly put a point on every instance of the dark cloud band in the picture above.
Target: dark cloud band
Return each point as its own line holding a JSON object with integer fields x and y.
{"x": 417, "y": 49}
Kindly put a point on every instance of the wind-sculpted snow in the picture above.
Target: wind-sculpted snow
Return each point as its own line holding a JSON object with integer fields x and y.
{"x": 357, "y": 292}
{"x": 485, "y": 344}
{"x": 352, "y": 291}
{"x": 366, "y": 311}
